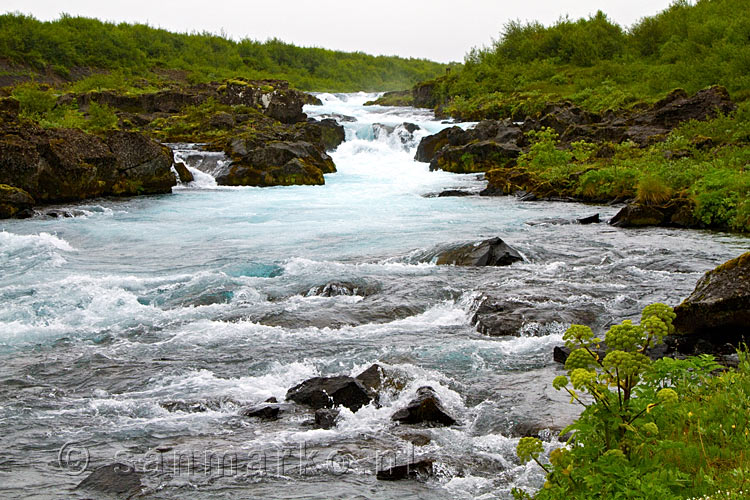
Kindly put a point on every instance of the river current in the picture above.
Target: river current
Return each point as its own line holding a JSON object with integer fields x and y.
{"x": 136, "y": 330}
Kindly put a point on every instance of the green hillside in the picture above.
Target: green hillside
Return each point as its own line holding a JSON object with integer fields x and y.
{"x": 71, "y": 47}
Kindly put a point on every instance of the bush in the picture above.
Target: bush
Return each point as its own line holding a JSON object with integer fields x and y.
{"x": 34, "y": 100}
{"x": 649, "y": 430}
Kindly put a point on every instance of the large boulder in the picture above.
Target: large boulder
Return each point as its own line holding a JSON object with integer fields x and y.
{"x": 327, "y": 392}
{"x": 274, "y": 164}
{"x": 475, "y": 157}
{"x": 329, "y": 133}
{"x": 431, "y": 144}
{"x": 491, "y": 252}
{"x": 144, "y": 166}
{"x": 719, "y": 307}
{"x": 425, "y": 408}
{"x": 60, "y": 165}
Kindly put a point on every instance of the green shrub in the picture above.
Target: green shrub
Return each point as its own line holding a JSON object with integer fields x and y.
{"x": 34, "y": 100}
{"x": 649, "y": 430}
{"x": 101, "y": 117}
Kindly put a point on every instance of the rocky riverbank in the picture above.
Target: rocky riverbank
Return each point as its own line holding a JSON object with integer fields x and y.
{"x": 562, "y": 152}
{"x": 258, "y": 124}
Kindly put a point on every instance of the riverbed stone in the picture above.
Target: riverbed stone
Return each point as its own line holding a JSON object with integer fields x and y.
{"x": 425, "y": 408}
{"x": 327, "y": 392}
{"x": 491, "y": 252}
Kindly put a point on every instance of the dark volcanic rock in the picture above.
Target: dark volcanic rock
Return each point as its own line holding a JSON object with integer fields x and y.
{"x": 265, "y": 411}
{"x": 113, "y": 479}
{"x": 591, "y": 219}
{"x": 327, "y": 392}
{"x": 274, "y": 164}
{"x": 719, "y": 307}
{"x": 453, "y": 193}
{"x": 336, "y": 288}
{"x": 145, "y": 167}
{"x": 14, "y": 202}
{"x": 182, "y": 171}
{"x": 475, "y": 157}
{"x": 635, "y": 215}
{"x": 429, "y": 145}
{"x": 331, "y": 133}
{"x": 492, "y": 252}
{"x": 414, "y": 470}
{"x": 325, "y": 418}
{"x": 425, "y": 408}
{"x": 59, "y": 165}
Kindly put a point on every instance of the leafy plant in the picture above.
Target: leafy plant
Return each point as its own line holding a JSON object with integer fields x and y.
{"x": 649, "y": 430}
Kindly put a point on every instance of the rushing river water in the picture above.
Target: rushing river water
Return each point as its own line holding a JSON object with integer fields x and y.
{"x": 137, "y": 330}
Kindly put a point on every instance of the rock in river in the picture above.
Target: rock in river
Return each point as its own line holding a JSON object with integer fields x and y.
{"x": 425, "y": 408}
{"x": 492, "y": 252}
{"x": 327, "y": 392}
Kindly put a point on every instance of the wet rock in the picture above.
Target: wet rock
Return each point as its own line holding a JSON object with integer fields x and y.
{"x": 144, "y": 166}
{"x": 636, "y": 215}
{"x": 410, "y": 127}
{"x": 325, "y": 418}
{"x": 425, "y": 408}
{"x": 60, "y": 165}
{"x": 492, "y": 252}
{"x": 591, "y": 219}
{"x": 337, "y": 288}
{"x": 276, "y": 164}
{"x": 394, "y": 98}
{"x": 453, "y": 193}
{"x": 416, "y": 438}
{"x": 183, "y": 173}
{"x": 718, "y": 310}
{"x": 327, "y": 392}
{"x": 190, "y": 406}
{"x": 113, "y": 479}
{"x": 475, "y": 157}
{"x": 332, "y": 134}
{"x": 414, "y": 470}
{"x": 431, "y": 144}
{"x": 372, "y": 378}
{"x": 15, "y": 202}
{"x": 500, "y": 313}
{"x": 266, "y": 411}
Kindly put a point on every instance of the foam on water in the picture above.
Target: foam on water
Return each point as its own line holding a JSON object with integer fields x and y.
{"x": 203, "y": 297}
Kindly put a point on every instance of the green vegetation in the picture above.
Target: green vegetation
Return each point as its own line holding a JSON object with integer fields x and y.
{"x": 124, "y": 56}
{"x": 599, "y": 65}
{"x": 650, "y": 430}
{"x": 702, "y": 165}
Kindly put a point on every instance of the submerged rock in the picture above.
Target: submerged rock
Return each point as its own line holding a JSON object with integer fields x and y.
{"x": 327, "y": 392}
{"x": 337, "y": 288}
{"x": 325, "y": 418}
{"x": 492, "y": 252}
{"x": 425, "y": 408}
{"x": 265, "y": 411}
{"x": 113, "y": 479}
{"x": 591, "y": 219}
{"x": 718, "y": 310}
{"x": 414, "y": 470}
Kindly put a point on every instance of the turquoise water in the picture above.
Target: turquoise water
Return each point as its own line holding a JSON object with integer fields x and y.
{"x": 202, "y": 296}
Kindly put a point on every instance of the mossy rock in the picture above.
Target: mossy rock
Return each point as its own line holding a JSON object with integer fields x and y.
{"x": 14, "y": 202}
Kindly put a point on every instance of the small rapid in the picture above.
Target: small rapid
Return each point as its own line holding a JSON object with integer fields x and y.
{"x": 139, "y": 329}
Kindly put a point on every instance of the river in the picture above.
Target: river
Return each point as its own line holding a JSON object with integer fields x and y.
{"x": 136, "y": 330}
